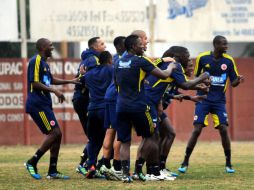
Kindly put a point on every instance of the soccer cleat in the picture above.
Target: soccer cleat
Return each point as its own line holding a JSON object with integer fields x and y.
{"x": 166, "y": 177}
{"x": 81, "y": 170}
{"x": 32, "y": 171}
{"x": 229, "y": 169}
{"x": 168, "y": 173}
{"x": 183, "y": 169}
{"x": 135, "y": 176}
{"x": 127, "y": 179}
{"x": 111, "y": 174}
{"x": 57, "y": 175}
{"x": 152, "y": 177}
{"x": 141, "y": 176}
{"x": 91, "y": 172}
{"x": 99, "y": 175}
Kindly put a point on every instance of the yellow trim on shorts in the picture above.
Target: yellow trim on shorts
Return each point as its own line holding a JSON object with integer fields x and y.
{"x": 150, "y": 121}
{"x": 45, "y": 120}
{"x": 206, "y": 120}
{"x": 216, "y": 120}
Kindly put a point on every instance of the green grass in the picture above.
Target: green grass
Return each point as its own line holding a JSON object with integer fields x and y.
{"x": 206, "y": 170}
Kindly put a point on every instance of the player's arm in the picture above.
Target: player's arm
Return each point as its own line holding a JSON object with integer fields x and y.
{"x": 40, "y": 86}
{"x": 234, "y": 77}
{"x": 57, "y": 81}
{"x": 163, "y": 74}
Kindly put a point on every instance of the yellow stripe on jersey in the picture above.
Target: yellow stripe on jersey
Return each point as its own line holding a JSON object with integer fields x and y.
{"x": 198, "y": 59}
{"x": 185, "y": 77}
{"x": 157, "y": 61}
{"x": 97, "y": 60}
{"x": 231, "y": 58}
{"x": 142, "y": 75}
{"x": 150, "y": 121}
{"x": 37, "y": 68}
{"x": 44, "y": 120}
{"x": 163, "y": 80}
{"x": 226, "y": 85}
{"x": 148, "y": 59}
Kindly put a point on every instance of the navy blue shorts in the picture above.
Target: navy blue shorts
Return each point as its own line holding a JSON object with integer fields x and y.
{"x": 44, "y": 118}
{"x": 218, "y": 111}
{"x": 163, "y": 116}
{"x": 110, "y": 116}
{"x": 141, "y": 121}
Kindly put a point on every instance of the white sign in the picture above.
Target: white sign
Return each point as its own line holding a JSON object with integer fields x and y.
{"x": 8, "y": 20}
{"x": 80, "y": 20}
{"x": 201, "y": 20}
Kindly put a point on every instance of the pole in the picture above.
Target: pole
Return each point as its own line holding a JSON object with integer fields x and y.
{"x": 151, "y": 26}
{"x": 22, "y": 9}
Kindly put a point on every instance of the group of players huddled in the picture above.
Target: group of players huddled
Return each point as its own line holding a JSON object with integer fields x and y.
{"x": 112, "y": 95}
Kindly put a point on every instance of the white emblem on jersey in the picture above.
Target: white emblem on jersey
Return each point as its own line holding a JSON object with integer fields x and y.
{"x": 195, "y": 117}
{"x": 125, "y": 64}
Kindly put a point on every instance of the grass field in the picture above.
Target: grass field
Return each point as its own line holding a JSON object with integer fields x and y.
{"x": 206, "y": 170}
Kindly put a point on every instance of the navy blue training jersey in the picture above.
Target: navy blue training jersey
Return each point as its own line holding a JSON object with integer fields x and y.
{"x": 130, "y": 74}
{"x": 38, "y": 71}
{"x": 97, "y": 81}
{"x": 156, "y": 87}
{"x": 89, "y": 60}
{"x": 220, "y": 70}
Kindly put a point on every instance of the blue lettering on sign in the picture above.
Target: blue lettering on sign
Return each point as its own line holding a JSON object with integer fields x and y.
{"x": 219, "y": 80}
{"x": 176, "y": 9}
{"x": 124, "y": 65}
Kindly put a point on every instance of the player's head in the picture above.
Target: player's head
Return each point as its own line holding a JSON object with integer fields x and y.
{"x": 189, "y": 68}
{"x": 220, "y": 44}
{"x": 134, "y": 45}
{"x": 143, "y": 36}
{"x": 105, "y": 58}
{"x": 97, "y": 44}
{"x": 119, "y": 44}
{"x": 44, "y": 47}
{"x": 181, "y": 54}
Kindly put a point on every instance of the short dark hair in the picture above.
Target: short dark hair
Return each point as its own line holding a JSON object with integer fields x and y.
{"x": 130, "y": 41}
{"x": 217, "y": 39}
{"x": 176, "y": 52}
{"x": 118, "y": 40}
{"x": 105, "y": 57}
{"x": 40, "y": 43}
{"x": 92, "y": 41}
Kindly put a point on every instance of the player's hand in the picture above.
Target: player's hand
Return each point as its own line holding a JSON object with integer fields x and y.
{"x": 179, "y": 97}
{"x": 60, "y": 96}
{"x": 168, "y": 59}
{"x": 241, "y": 78}
{"x": 205, "y": 75}
{"x": 76, "y": 81}
{"x": 198, "y": 98}
{"x": 203, "y": 87}
{"x": 82, "y": 70}
{"x": 172, "y": 66}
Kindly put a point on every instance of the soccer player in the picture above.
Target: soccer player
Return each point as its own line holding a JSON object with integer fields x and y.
{"x": 220, "y": 66}
{"x": 131, "y": 106}
{"x": 96, "y": 79}
{"x": 154, "y": 90}
{"x": 39, "y": 107}
{"x": 90, "y": 58}
{"x": 112, "y": 173}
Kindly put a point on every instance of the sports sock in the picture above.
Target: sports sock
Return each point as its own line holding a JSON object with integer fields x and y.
{"x": 125, "y": 167}
{"x": 35, "y": 158}
{"x": 163, "y": 162}
{"x": 83, "y": 157}
{"x": 228, "y": 157}
{"x": 106, "y": 162}
{"x": 52, "y": 165}
{"x": 187, "y": 156}
{"x": 139, "y": 164}
{"x": 117, "y": 165}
